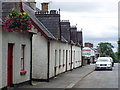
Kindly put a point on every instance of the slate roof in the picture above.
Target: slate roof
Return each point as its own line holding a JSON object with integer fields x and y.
{"x": 80, "y": 39}
{"x": 51, "y": 22}
{"x": 74, "y": 36}
{"x": 63, "y": 39}
{"x": 31, "y": 14}
{"x": 6, "y": 9}
{"x": 65, "y": 29}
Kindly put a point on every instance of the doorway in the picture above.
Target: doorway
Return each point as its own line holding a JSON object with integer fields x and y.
{"x": 10, "y": 64}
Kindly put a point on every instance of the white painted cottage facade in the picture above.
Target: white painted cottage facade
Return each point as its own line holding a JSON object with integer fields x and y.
{"x": 50, "y": 56}
{"x": 15, "y": 42}
{"x": 53, "y": 55}
{"x": 15, "y": 54}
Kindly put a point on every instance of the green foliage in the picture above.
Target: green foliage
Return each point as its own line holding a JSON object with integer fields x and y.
{"x": 116, "y": 57}
{"x": 118, "y": 49}
{"x": 102, "y": 55}
{"x": 13, "y": 13}
{"x": 106, "y": 50}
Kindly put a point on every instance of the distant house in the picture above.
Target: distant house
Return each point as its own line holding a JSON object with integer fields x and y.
{"x": 15, "y": 52}
{"x": 89, "y": 53}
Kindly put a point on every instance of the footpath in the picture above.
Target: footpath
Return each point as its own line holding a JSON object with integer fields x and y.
{"x": 65, "y": 80}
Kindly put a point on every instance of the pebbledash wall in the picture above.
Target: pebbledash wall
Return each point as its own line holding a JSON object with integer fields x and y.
{"x": 60, "y": 57}
{"x": 59, "y": 52}
{"x": 49, "y": 53}
{"x": 77, "y": 56}
{"x": 17, "y": 39}
{"x": 39, "y": 57}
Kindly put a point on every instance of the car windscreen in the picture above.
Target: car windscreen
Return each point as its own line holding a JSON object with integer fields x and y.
{"x": 102, "y": 60}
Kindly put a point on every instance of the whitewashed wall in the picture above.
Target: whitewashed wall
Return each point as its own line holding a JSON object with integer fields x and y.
{"x": 57, "y": 57}
{"x": 17, "y": 39}
{"x": 77, "y": 56}
{"x": 0, "y": 57}
{"x": 40, "y": 57}
{"x": 58, "y": 51}
{"x": 60, "y": 48}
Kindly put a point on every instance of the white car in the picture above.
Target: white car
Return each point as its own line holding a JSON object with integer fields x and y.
{"x": 111, "y": 61}
{"x": 103, "y": 63}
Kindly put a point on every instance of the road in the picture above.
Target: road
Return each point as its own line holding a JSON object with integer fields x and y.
{"x": 100, "y": 79}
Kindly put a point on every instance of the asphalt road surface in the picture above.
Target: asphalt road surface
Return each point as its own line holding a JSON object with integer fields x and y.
{"x": 100, "y": 79}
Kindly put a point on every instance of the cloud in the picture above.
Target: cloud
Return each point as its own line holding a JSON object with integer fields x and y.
{"x": 77, "y": 7}
{"x": 82, "y": 6}
{"x": 98, "y": 18}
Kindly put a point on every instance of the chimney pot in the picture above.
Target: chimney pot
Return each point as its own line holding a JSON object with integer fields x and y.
{"x": 44, "y": 6}
{"x": 53, "y": 12}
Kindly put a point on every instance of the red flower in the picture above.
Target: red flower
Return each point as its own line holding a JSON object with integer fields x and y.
{"x": 18, "y": 22}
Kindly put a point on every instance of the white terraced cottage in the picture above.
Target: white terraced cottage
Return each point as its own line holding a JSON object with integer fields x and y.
{"x": 46, "y": 54}
{"x": 15, "y": 52}
{"x": 52, "y": 54}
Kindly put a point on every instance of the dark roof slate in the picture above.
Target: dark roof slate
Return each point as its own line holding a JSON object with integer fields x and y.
{"x": 31, "y": 14}
{"x": 6, "y": 9}
{"x": 51, "y": 22}
{"x": 63, "y": 39}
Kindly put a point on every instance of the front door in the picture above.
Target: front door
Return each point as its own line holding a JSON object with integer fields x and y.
{"x": 10, "y": 64}
{"x": 55, "y": 68}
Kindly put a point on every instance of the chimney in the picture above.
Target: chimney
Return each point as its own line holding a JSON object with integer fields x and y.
{"x": 33, "y": 5}
{"x": 44, "y": 6}
{"x": 89, "y": 45}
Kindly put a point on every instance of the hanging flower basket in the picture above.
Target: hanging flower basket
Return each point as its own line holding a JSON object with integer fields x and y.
{"x": 17, "y": 22}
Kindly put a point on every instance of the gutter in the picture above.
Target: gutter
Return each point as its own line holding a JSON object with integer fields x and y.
{"x": 48, "y": 66}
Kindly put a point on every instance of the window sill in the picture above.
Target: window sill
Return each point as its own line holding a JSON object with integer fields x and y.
{"x": 23, "y": 72}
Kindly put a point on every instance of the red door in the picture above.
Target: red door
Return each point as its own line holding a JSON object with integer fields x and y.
{"x": 10, "y": 64}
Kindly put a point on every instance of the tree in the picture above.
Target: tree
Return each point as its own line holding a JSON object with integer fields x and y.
{"x": 119, "y": 49}
{"x": 116, "y": 57}
{"x": 106, "y": 49}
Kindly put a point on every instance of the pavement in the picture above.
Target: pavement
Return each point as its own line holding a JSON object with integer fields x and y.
{"x": 65, "y": 80}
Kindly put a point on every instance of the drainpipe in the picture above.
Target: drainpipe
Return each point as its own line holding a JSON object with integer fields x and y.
{"x": 81, "y": 57}
{"x": 21, "y": 8}
{"x": 71, "y": 48}
{"x": 48, "y": 66}
{"x": 60, "y": 27}
{"x": 71, "y": 59}
{"x": 31, "y": 59}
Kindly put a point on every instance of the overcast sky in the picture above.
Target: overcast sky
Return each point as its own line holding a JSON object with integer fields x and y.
{"x": 97, "y": 18}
